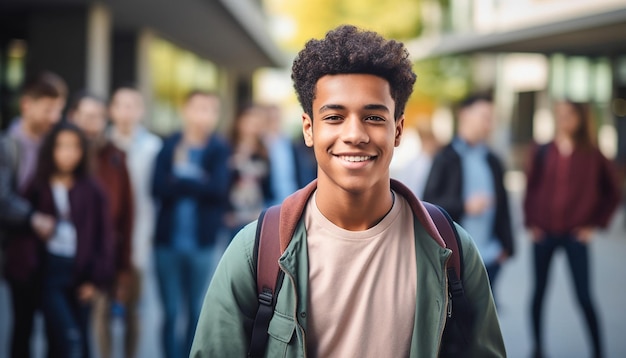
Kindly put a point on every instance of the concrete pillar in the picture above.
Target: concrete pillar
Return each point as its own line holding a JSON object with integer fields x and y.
{"x": 98, "y": 60}
{"x": 143, "y": 72}
{"x": 618, "y": 108}
{"x": 228, "y": 90}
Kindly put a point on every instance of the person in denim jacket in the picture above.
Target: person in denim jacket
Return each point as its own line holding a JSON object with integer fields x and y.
{"x": 190, "y": 184}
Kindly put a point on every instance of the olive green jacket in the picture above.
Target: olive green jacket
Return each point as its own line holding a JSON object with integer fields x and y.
{"x": 225, "y": 324}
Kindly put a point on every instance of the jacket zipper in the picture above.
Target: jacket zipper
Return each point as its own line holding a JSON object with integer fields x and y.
{"x": 295, "y": 316}
{"x": 447, "y": 311}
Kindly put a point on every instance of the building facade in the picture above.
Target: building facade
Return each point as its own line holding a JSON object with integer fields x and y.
{"x": 165, "y": 48}
{"x": 531, "y": 52}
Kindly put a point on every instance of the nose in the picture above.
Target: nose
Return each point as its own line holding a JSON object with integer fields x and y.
{"x": 354, "y": 131}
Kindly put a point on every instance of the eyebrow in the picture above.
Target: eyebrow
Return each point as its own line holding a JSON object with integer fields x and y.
{"x": 376, "y": 107}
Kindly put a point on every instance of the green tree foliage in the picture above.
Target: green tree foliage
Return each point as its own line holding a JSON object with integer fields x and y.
{"x": 443, "y": 79}
{"x": 439, "y": 80}
{"x": 399, "y": 19}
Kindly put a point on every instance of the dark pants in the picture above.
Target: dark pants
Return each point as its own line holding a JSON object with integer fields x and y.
{"x": 25, "y": 298}
{"x": 66, "y": 317}
{"x": 578, "y": 258}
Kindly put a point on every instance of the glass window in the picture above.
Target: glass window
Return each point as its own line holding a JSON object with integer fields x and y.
{"x": 581, "y": 78}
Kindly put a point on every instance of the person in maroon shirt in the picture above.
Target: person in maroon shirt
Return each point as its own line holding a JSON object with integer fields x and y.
{"x": 89, "y": 112}
{"x": 572, "y": 190}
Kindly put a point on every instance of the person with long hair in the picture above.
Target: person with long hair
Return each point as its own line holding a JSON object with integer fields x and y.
{"x": 250, "y": 187}
{"x": 572, "y": 190}
{"x": 78, "y": 258}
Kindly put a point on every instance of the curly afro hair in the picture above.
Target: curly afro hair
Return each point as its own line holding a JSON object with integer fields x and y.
{"x": 347, "y": 50}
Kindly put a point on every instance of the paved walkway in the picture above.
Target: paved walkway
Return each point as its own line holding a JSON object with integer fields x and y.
{"x": 565, "y": 329}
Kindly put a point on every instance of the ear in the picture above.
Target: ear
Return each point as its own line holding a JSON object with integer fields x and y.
{"x": 307, "y": 130}
{"x": 399, "y": 129}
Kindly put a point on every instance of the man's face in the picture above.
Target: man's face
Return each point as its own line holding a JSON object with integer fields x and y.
{"x": 353, "y": 132}
{"x": 40, "y": 114}
{"x": 126, "y": 109}
{"x": 201, "y": 113}
{"x": 478, "y": 121}
{"x": 90, "y": 117}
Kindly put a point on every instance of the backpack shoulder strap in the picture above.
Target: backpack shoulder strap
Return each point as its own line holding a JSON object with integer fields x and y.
{"x": 463, "y": 314}
{"x": 448, "y": 232}
{"x": 267, "y": 251}
{"x": 274, "y": 231}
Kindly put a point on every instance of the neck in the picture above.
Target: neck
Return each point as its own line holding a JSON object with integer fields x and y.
{"x": 469, "y": 139}
{"x": 564, "y": 143}
{"x": 65, "y": 179}
{"x": 122, "y": 139}
{"x": 124, "y": 132}
{"x": 194, "y": 138}
{"x": 247, "y": 145}
{"x": 353, "y": 211}
{"x": 97, "y": 142}
{"x": 30, "y": 132}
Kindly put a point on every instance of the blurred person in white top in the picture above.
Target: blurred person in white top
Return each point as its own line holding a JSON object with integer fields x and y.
{"x": 283, "y": 174}
{"x": 128, "y": 134}
{"x": 126, "y": 111}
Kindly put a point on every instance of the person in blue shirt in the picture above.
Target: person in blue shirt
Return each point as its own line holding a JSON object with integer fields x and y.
{"x": 467, "y": 179}
{"x": 190, "y": 184}
{"x": 281, "y": 154}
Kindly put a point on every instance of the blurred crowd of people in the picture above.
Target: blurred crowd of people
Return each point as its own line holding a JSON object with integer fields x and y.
{"x": 90, "y": 200}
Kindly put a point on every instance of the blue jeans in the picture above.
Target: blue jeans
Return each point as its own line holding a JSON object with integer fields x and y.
{"x": 183, "y": 279}
{"x": 66, "y": 317}
{"x": 578, "y": 258}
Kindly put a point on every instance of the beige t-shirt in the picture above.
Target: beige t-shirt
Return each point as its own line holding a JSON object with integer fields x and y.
{"x": 362, "y": 285}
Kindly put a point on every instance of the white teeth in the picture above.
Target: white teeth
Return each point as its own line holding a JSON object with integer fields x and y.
{"x": 355, "y": 158}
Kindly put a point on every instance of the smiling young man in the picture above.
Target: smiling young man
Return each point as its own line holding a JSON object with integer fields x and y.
{"x": 364, "y": 271}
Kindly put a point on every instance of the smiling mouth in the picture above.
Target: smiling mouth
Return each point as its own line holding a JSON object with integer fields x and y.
{"x": 355, "y": 158}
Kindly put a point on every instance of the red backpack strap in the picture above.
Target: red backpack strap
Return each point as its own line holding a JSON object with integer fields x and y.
{"x": 275, "y": 229}
{"x": 267, "y": 251}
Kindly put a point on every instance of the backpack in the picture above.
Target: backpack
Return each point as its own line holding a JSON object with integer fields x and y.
{"x": 267, "y": 250}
